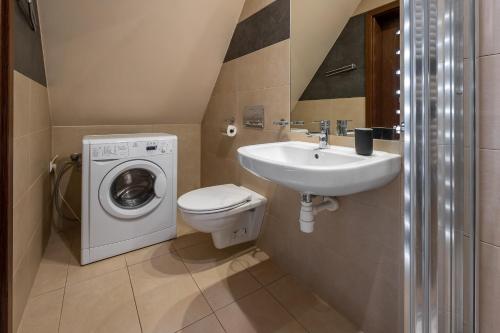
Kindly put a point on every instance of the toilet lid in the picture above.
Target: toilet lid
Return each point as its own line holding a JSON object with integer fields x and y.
{"x": 214, "y": 198}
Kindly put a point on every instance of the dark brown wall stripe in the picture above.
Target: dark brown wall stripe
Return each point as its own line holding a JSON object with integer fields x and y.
{"x": 266, "y": 27}
{"x": 28, "y": 54}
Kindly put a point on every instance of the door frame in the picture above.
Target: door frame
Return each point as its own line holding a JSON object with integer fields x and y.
{"x": 370, "y": 79}
{"x": 6, "y": 127}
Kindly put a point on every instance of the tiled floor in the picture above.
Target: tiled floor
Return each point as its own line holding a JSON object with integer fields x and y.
{"x": 184, "y": 285}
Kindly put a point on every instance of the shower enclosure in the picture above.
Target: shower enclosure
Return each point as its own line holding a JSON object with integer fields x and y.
{"x": 439, "y": 165}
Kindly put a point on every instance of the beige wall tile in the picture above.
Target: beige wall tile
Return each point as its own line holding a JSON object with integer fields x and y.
{"x": 253, "y": 6}
{"x": 21, "y": 104}
{"x": 68, "y": 139}
{"x": 489, "y": 27}
{"x": 38, "y": 207}
{"x": 24, "y": 276}
{"x": 32, "y": 213}
{"x": 39, "y": 154}
{"x": 489, "y": 99}
{"x": 489, "y": 292}
{"x": 489, "y": 183}
{"x": 20, "y": 233}
{"x": 266, "y": 68}
{"x": 259, "y": 312}
{"x": 21, "y": 167}
{"x": 311, "y": 111}
{"x": 217, "y": 171}
{"x": 39, "y": 116}
{"x": 226, "y": 81}
{"x": 221, "y": 108}
{"x": 104, "y": 304}
{"x": 43, "y": 313}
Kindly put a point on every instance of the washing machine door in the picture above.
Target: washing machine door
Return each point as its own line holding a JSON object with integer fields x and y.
{"x": 133, "y": 189}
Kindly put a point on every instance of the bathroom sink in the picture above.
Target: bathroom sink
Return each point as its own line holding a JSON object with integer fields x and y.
{"x": 335, "y": 171}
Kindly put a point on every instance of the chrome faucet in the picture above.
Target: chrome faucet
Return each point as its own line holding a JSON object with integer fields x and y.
{"x": 324, "y": 126}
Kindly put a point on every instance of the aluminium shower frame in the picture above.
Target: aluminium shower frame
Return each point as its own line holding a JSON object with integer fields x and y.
{"x": 438, "y": 167}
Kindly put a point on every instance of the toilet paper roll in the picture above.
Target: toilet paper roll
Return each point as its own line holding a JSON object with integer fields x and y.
{"x": 230, "y": 131}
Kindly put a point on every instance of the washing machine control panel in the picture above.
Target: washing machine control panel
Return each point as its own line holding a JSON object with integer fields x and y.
{"x": 109, "y": 151}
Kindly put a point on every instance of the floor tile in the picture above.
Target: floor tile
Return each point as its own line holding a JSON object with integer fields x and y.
{"x": 311, "y": 311}
{"x": 257, "y": 313}
{"x": 78, "y": 273}
{"x": 226, "y": 283}
{"x": 53, "y": 268}
{"x": 218, "y": 273}
{"x": 208, "y": 324}
{"x": 191, "y": 239}
{"x": 166, "y": 295}
{"x": 260, "y": 265}
{"x": 102, "y": 304}
{"x": 205, "y": 256}
{"x": 149, "y": 252}
{"x": 42, "y": 313}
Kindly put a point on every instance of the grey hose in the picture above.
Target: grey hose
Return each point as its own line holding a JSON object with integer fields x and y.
{"x": 56, "y": 193}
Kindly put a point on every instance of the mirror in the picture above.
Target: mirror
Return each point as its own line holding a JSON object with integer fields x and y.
{"x": 345, "y": 66}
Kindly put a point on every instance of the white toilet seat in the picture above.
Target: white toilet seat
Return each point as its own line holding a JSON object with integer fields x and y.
{"x": 232, "y": 214}
{"x": 214, "y": 211}
{"x": 214, "y": 199}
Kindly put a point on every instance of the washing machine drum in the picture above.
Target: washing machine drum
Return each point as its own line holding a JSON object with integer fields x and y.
{"x": 133, "y": 189}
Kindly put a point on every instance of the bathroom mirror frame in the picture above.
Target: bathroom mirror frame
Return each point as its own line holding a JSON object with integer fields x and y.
{"x": 437, "y": 286}
{"x": 6, "y": 126}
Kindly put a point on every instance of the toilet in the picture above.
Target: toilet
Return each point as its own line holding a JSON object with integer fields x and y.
{"x": 232, "y": 214}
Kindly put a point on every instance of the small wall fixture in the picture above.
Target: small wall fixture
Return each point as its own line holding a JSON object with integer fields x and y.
{"x": 29, "y": 12}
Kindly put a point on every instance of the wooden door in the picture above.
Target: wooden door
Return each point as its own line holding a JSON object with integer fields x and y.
{"x": 382, "y": 66}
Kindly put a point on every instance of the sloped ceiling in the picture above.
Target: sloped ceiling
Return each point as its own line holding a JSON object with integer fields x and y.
{"x": 133, "y": 62}
{"x": 316, "y": 25}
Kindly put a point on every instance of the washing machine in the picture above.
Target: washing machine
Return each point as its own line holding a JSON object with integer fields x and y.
{"x": 129, "y": 193}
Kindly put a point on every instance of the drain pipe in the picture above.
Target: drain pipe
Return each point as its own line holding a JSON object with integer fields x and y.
{"x": 308, "y": 210}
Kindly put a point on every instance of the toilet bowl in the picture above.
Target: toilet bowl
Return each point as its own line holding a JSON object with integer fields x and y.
{"x": 232, "y": 214}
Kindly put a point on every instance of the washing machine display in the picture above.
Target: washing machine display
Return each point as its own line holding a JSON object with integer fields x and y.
{"x": 129, "y": 188}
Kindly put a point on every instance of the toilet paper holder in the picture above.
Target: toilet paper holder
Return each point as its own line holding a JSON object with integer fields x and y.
{"x": 229, "y": 129}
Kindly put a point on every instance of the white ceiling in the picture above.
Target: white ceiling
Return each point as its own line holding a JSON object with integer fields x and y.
{"x": 133, "y": 62}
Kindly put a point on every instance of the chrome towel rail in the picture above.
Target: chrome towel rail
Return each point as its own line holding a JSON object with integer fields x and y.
{"x": 342, "y": 69}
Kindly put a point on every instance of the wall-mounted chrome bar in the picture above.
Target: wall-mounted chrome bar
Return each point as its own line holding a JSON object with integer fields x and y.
{"x": 340, "y": 70}
{"x": 29, "y": 13}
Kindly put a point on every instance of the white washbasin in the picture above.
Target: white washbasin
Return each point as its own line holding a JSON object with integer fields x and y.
{"x": 335, "y": 171}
